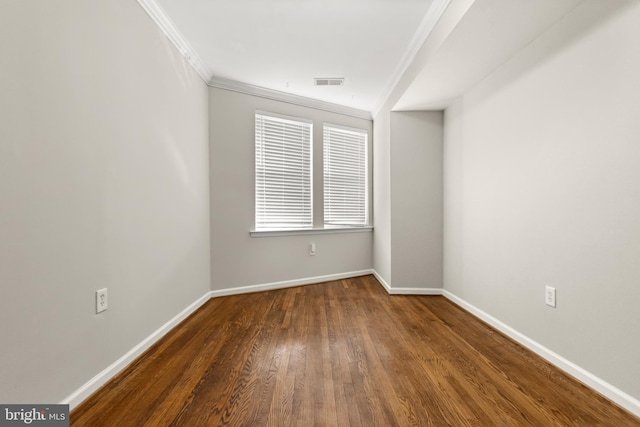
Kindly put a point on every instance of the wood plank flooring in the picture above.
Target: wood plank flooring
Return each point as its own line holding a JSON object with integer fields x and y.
{"x": 341, "y": 353}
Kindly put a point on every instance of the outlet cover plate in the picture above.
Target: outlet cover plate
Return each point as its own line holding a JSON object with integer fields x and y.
{"x": 101, "y": 300}
{"x": 550, "y": 296}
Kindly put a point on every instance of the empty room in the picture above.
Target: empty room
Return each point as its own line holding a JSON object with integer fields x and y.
{"x": 320, "y": 212}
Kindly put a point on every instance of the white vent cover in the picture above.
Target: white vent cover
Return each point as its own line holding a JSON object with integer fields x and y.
{"x": 323, "y": 81}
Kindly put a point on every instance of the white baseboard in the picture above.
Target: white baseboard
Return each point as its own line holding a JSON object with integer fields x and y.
{"x": 618, "y": 396}
{"x": 287, "y": 283}
{"x": 75, "y": 398}
{"x": 384, "y": 284}
{"x": 405, "y": 291}
{"x": 626, "y": 401}
{"x": 415, "y": 291}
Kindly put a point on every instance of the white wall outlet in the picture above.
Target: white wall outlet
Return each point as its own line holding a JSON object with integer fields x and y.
{"x": 312, "y": 249}
{"x": 550, "y": 296}
{"x": 101, "y": 300}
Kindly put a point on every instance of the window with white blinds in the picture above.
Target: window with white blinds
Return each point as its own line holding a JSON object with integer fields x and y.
{"x": 345, "y": 176}
{"x": 283, "y": 173}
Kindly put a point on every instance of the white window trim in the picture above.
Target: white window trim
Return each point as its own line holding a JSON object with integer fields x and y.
{"x": 284, "y": 116}
{"x": 336, "y": 230}
{"x": 367, "y": 200}
{"x": 309, "y": 167}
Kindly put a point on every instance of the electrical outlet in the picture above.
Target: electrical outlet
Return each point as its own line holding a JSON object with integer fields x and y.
{"x": 550, "y": 296}
{"x": 101, "y": 300}
{"x": 312, "y": 249}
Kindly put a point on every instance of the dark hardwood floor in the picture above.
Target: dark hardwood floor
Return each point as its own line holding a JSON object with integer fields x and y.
{"x": 341, "y": 353}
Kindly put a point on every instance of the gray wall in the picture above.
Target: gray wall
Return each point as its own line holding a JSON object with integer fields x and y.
{"x": 550, "y": 196}
{"x": 238, "y": 260}
{"x": 453, "y": 174}
{"x": 383, "y": 258}
{"x": 103, "y": 183}
{"x": 416, "y": 199}
{"x": 382, "y": 195}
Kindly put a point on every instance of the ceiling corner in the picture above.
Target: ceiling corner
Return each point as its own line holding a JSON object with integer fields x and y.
{"x": 162, "y": 20}
{"x": 426, "y": 27}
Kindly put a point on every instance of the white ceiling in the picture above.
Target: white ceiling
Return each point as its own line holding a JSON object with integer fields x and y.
{"x": 276, "y": 47}
{"x": 489, "y": 33}
{"x": 283, "y": 44}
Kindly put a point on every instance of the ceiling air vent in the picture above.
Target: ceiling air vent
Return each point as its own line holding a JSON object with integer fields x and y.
{"x": 339, "y": 81}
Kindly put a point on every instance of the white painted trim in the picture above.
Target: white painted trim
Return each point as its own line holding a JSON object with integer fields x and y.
{"x": 276, "y": 95}
{"x": 405, "y": 291}
{"x": 287, "y": 283}
{"x": 384, "y": 284}
{"x": 616, "y": 395}
{"x": 167, "y": 26}
{"x": 280, "y": 233}
{"x": 415, "y": 291}
{"x": 75, "y": 398}
{"x": 174, "y": 35}
{"x": 626, "y": 401}
{"x": 424, "y": 29}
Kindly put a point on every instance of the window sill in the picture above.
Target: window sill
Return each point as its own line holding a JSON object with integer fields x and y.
{"x": 337, "y": 230}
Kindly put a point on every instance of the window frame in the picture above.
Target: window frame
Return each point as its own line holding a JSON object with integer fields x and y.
{"x": 362, "y": 164}
{"x": 316, "y": 180}
{"x": 306, "y": 182}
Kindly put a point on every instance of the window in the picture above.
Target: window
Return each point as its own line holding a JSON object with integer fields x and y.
{"x": 345, "y": 176}
{"x": 283, "y": 173}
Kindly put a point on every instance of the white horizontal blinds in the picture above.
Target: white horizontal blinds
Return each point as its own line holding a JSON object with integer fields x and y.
{"x": 345, "y": 176}
{"x": 283, "y": 173}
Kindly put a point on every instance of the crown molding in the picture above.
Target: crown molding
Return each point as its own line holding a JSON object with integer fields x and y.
{"x": 424, "y": 29}
{"x": 276, "y": 95}
{"x": 167, "y": 26}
